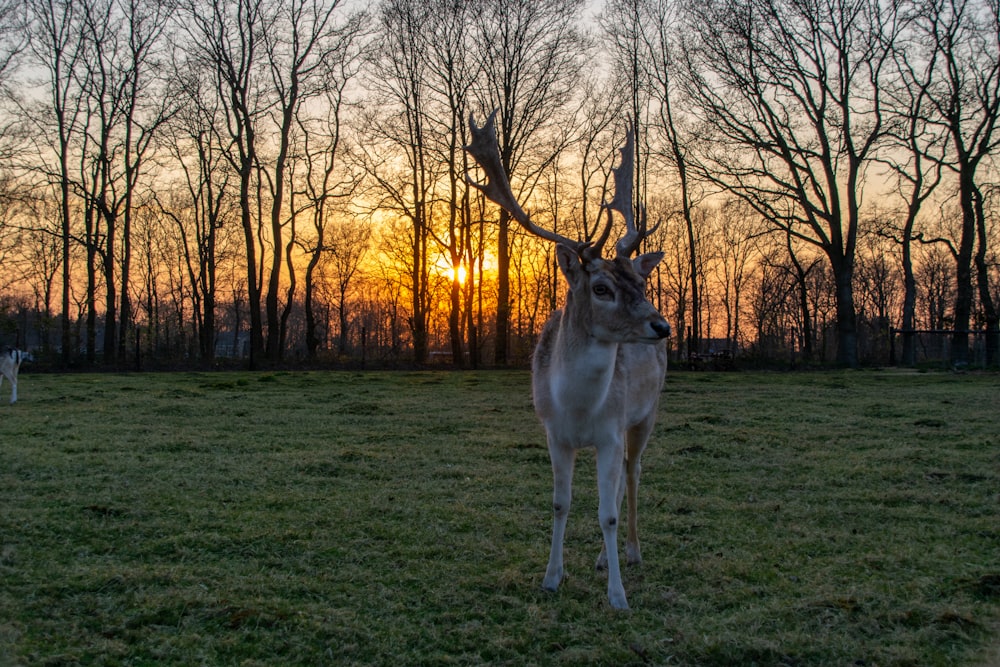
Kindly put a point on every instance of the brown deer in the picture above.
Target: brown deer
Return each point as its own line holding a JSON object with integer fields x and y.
{"x": 600, "y": 363}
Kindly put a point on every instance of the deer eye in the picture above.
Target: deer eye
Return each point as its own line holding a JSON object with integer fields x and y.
{"x": 602, "y": 291}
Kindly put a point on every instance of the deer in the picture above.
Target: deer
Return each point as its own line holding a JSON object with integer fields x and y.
{"x": 10, "y": 364}
{"x": 600, "y": 362}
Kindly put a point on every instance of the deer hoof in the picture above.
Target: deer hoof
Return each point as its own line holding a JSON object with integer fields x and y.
{"x": 632, "y": 555}
{"x": 551, "y": 581}
{"x": 618, "y": 600}
{"x": 602, "y": 560}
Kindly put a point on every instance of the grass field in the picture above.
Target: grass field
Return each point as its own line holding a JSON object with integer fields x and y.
{"x": 310, "y": 518}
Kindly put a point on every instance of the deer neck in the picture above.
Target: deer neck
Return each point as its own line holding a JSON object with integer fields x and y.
{"x": 584, "y": 364}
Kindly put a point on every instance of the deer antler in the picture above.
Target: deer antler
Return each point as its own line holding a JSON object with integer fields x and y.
{"x": 622, "y": 201}
{"x": 486, "y": 151}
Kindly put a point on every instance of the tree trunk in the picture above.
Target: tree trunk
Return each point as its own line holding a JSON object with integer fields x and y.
{"x": 290, "y": 293}
{"x": 91, "y": 297}
{"x": 963, "y": 271}
{"x": 110, "y": 346}
{"x": 847, "y": 319}
{"x": 312, "y": 340}
{"x": 909, "y": 352}
{"x": 455, "y": 320}
{"x": 991, "y": 318}
{"x": 503, "y": 290}
{"x": 253, "y": 292}
{"x": 275, "y": 329}
{"x": 343, "y": 346}
{"x": 802, "y": 287}
{"x": 418, "y": 317}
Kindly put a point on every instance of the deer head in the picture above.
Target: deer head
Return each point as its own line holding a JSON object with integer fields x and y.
{"x": 607, "y": 295}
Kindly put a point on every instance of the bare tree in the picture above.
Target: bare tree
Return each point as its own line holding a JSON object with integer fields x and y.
{"x": 643, "y": 32}
{"x": 915, "y": 153}
{"x": 14, "y": 37}
{"x": 55, "y": 45}
{"x": 964, "y": 36}
{"x": 793, "y": 94}
{"x": 674, "y": 278}
{"x": 451, "y": 72}
{"x": 348, "y": 245}
{"x": 532, "y": 58}
{"x": 225, "y": 40}
{"x": 39, "y": 245}
{"x": 124, "y": 113}
{"x": 397, "y": 155}
{"x": 739, "y": 226}
{"x": 15, "y": 23}
{"x": 421, "y": 76}
{"x": 322, "y": 185}
{"x": 301, "y": 38}
{"x": 202, "y": 203}
{"x": 878, "y": 283}
{"x": 935, "y": 278}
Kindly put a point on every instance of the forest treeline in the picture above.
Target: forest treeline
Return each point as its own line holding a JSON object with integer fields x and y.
{"x": 285, "y": 179}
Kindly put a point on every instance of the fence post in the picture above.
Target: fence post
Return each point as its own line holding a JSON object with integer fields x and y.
{"x": 364, "y": 345}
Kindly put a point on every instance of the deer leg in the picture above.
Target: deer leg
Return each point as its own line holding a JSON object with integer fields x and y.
{"x": 636, "y": 443}
{"x": 633, "y": 556}
{"x": 602, "y": 558}
{"x": 609, "y": 469}
{"x": 563, "y": 460}
{"x": 13, "y": 387}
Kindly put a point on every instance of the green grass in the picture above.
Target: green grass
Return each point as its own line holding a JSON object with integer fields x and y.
{"x": 842, "y": 518}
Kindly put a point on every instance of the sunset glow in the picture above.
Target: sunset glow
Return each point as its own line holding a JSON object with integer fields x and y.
{"x": 462, "y": 274}
{"x": 168, "y": 220}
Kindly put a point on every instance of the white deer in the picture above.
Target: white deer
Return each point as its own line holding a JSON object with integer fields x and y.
{"x": 600, "y": 363}
{"x": 10, "y": 364}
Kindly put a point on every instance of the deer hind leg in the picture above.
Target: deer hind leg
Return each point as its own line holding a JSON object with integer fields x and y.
{"x": 563, "y": 461}
{"x": 636, "y": 440}
{"x": 609, "y": 472}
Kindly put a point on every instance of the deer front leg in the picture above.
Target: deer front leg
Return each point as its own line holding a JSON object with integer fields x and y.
{"x": 563, "y": 460}
{"x": 609, "y": 470}
{"x": 602, "y": 558}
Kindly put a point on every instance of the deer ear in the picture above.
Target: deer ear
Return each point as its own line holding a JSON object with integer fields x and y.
{"x": 571, "y": 265}
{"x": 644, "y": 264}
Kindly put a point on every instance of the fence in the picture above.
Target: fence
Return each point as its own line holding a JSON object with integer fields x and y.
{"x": 933, "y": 346}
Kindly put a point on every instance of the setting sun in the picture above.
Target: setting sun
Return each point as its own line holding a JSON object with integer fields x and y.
{"x": 461, "y": 274}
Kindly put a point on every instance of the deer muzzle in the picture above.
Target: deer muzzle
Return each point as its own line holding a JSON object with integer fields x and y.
{"x": 661, "y": 328}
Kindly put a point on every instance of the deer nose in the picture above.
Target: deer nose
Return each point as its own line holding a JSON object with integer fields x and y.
{"x": 661, "y": 328}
